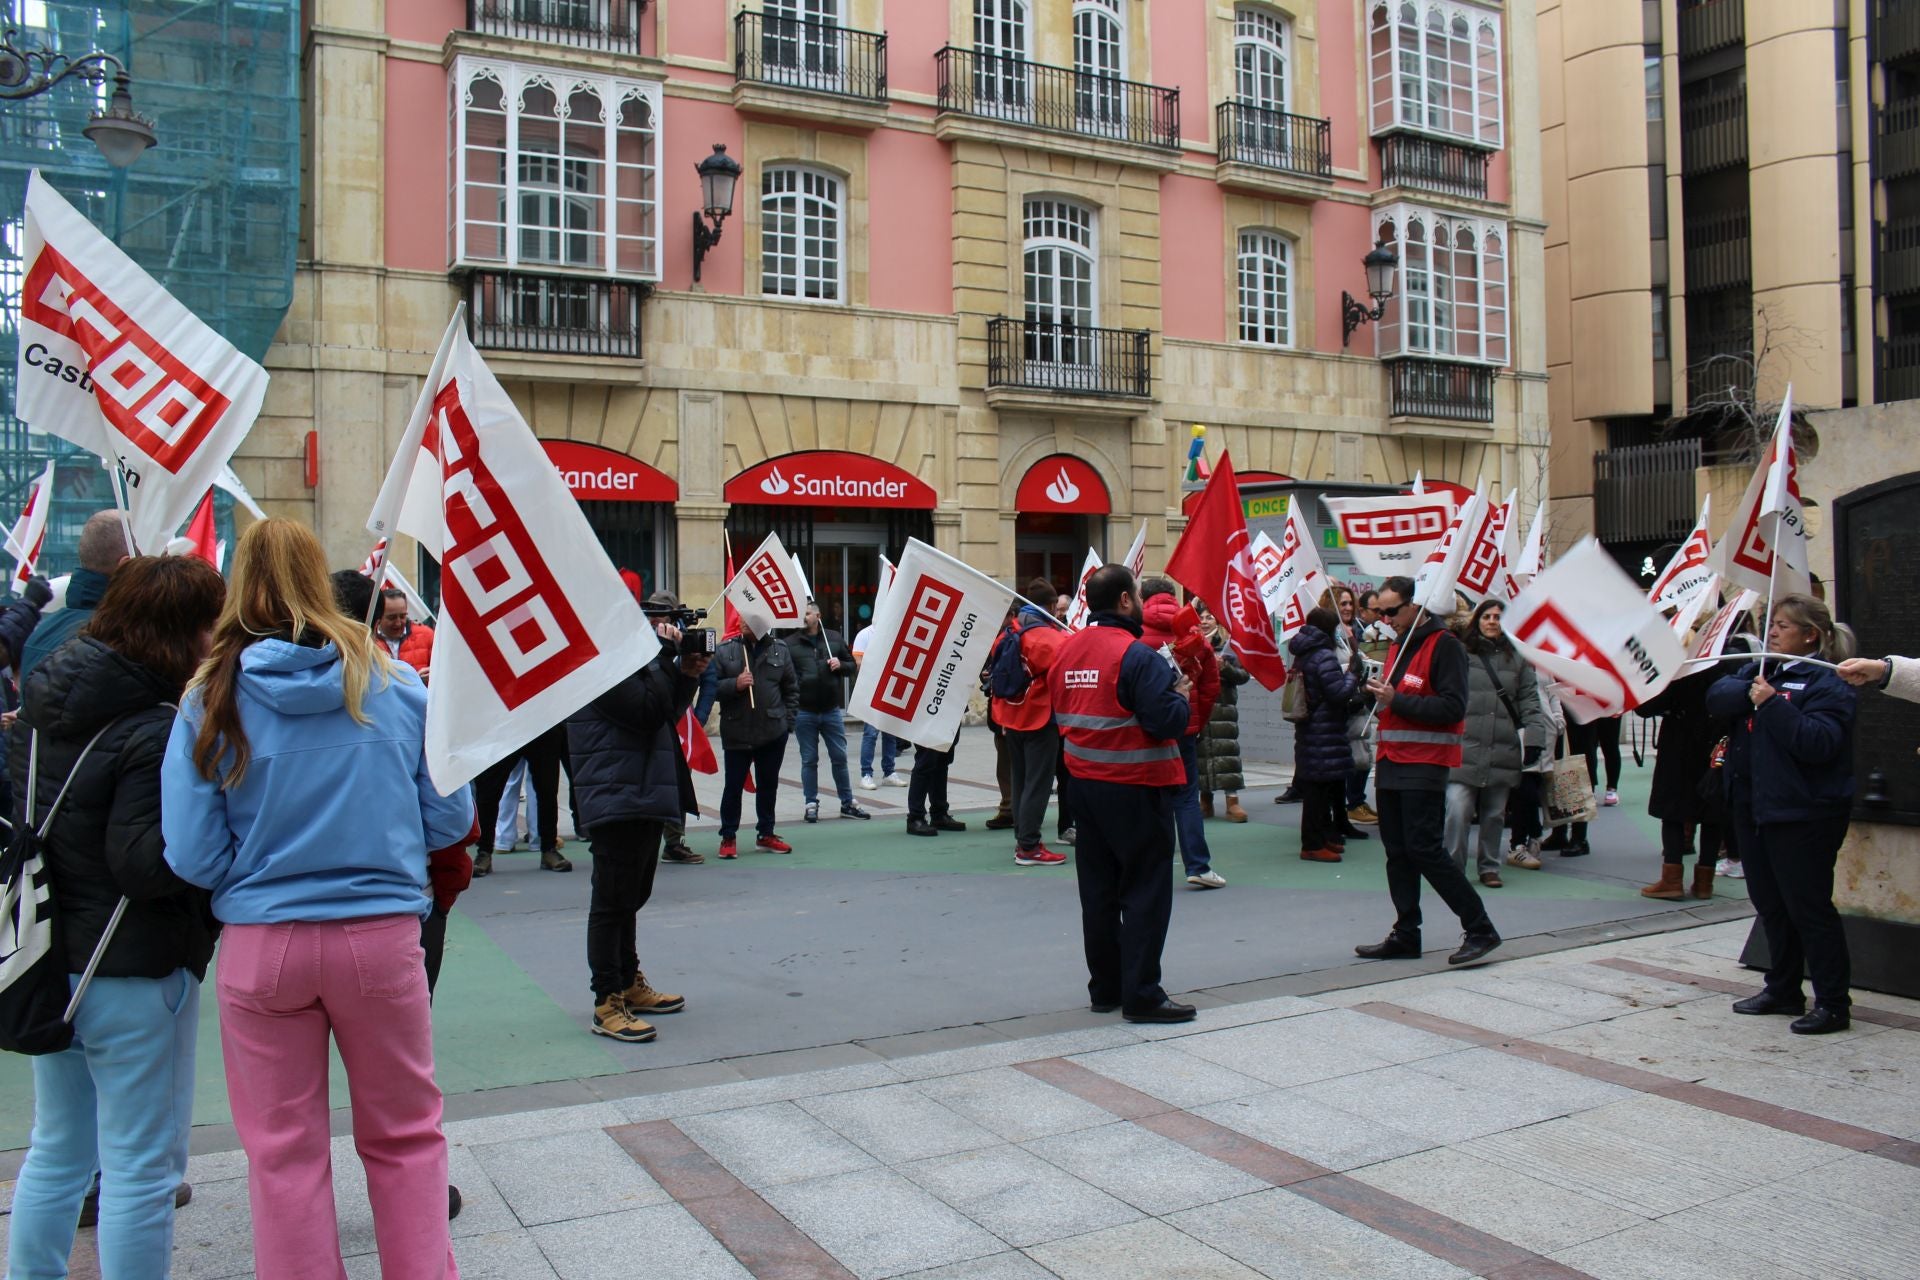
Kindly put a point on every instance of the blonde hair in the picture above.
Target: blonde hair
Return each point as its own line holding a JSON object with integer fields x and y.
{"x": 1836, "y": 642}
{"x": 279, "y": 587}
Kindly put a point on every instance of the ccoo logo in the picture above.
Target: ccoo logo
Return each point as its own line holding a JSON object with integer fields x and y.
{"x": 1061, "y": 489}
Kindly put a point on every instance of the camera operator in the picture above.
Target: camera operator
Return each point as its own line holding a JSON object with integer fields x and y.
{"x": 629, "y": 781}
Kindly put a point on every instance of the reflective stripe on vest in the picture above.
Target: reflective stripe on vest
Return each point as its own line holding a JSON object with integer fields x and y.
{"x": 1067, "y": 721}
{"x": 1102, "y": 739}
{"x": 1102, "y": 756}
{"x": 1405, "y": 741}
{"x": 1418, "y": 735}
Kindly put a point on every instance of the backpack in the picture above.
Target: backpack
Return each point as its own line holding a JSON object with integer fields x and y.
{"x": 1008, "y": 675}
{"x": 37, "y": 1003}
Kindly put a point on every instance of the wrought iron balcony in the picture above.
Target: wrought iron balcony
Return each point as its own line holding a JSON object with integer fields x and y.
{"x": 1719, "y": 250}
{"x": 1900, "y": 138}
{"x": 555, "y": 314}
{"x": 819, "y": 57}
{"x": 1900, "y": 257}
{"x": 1057, "y": 99}
{"x": 1043, "y": 355}
{"x": 1440, "y": 389}
{"x": 1270, "y": 139}
{"x": 1900, "y": 368}
{"x": 1432, "y": 164}
{"x": 1713, "y": 130}
{"x": 1896, "y": 32}
{"x": 1645, "y": 492}
{"x": 1706, "y": 25}
{"x": 612, "y": 25}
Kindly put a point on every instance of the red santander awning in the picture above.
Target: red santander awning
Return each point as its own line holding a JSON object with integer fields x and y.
{"x": 1061, "y": 484}
{"x": 830, "y": 478}
{"x": 591, "y": 471}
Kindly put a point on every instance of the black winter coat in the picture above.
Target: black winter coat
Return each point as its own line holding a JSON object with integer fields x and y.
{"x": 1792, "y": 759}
{"x": 625, "y": 747}
{"x": 1320, "y": 750}
{"x": 105, "y": 842}
{"x": 764, "y": 715}
{"x": 1684, "y": 747}
{"x": 820, "y": 684}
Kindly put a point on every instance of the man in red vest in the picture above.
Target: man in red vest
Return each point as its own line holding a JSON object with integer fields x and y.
{"x": 1121, "y": 710}
{"x": 1423, "y": 712}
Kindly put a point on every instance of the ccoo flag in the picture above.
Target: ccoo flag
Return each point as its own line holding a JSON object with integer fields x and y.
{"x": 1765, "y": 547}
{"x": 29, "y": 534}
{"x": 1389, "y": 534}
{"x": 1585, "y": 624}
{"x": 1688, "y": 573}
{"x": 1215, "y": 562}
{"x": 769, "y": 591}
{"x": 1077, "y": 611}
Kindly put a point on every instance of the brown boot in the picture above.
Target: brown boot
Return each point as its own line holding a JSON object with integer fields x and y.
{"x": 1668, "y": 886}
{"x": 1234, "y": 812}
{"x": 1703, "y": 879}
{"x": 1206, "y": 804}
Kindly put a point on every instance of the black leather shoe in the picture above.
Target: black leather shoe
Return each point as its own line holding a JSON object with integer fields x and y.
{"x": 1351, "y": 832}
{"x": 1103, "y": 1008}
{"x": 949, "y": 823}
{"x": 1474, "y": 948}
{"x": 921, "y": 827}
{"x": 1289, "y": 796}
{"x": 1578, "y": 850}
{"x": 453, "y": 1202}
{"x": 1165, "y": 1011}
{"x": 1820, "y": 1021}
{"x": 1394, "y": 947}
{"x": 1000, "y": 822}
{"x": 483, "y": 863}
{"x": 1768, "y": 1002}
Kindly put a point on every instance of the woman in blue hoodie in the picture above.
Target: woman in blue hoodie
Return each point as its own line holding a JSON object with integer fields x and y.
{"x": 298, "y": 729}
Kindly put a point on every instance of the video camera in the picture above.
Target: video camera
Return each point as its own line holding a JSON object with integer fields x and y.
{"x": 693, "y": 639}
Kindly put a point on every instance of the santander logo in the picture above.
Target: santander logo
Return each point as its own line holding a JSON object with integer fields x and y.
{"x": 1062, "y": 489}
{"x": 774, "y": 483}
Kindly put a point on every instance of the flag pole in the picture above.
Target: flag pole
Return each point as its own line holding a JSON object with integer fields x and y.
{"x": 1747, "y": 657}
{"x": 116, "y": 473}
{"x": 379, "y": 579}
{"x": 746, "y": 659}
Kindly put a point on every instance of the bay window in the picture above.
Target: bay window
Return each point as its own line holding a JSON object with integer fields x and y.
{"x": 1450, "y": 298}
{"x": 1435, "y": 67}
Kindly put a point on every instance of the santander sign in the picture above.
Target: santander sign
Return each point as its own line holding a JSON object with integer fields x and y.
{"x": 1062, "y": 483}
{"x": 828, "y": 477}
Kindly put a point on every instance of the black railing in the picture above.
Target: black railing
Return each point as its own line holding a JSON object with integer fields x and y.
{"x": 1900, "y": 257}
{"x": 1432, "y": 164}
{"x": 1645, "y": 492}
{"x": 1900, "y": 376}
{"x": 1900, "y": 138}
{"x": 554, "y": 315}
{"x": 1706, "y": 25}
{"x": 1713, "y": 129}
{"x": 613, "y": 25}
{"x": 1440, "y": 389}
{"x": 1270, "y": 139}
{"x": 1719, "y": 250}
{"x": 819, "y": 57}
{"x": 1058, "y": 99}
{"x": 1075, "y": 359}
{"x": 1896, "y": 32}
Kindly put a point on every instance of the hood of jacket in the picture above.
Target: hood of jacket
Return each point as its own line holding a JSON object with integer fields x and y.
{"x": 85, "y": 685}
{"x": 294, "y": 679}
{"x": 1156, "y": 619}
{"x": 1307, "y": 639}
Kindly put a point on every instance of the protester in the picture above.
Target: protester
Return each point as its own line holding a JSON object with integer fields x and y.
{"x": 759, "y": 698}
{"x": 297, "y": 729}
{"x": 1017, "y": 676}
{"x": 1002, "y": 819}
{"x": 409, "y": 641}
{"x": 630, "y": 779}
{"x": 1163, "y": 623}
{"x": 518, "y": 823}
{"x": 1568, "y": 840}
{"x": 102, "y": 547}
{"x": 928, "y": 811}
{"x": 872, "y": 738}
{"x": 1506, "y": 731}
{"x": 1121, "y": 711}
{"x": 1321, "y": 757}
{"x": 544, "y": 757}
{"x": 1219, "y": 748}
{"x": 1789, "y": 776}
{"x": 1376, "y": 636}
{"x": 1525, "y": 812}
{"x": 1423, "y": 705}
{"x": 17, "y": 623}
{"x": 98, "y": 712}
{"x": 1899, "y": 677}
{"x": 1683, "y": 756}
{"x": 1062, "y": 605}
{"x": 822, "y": 664}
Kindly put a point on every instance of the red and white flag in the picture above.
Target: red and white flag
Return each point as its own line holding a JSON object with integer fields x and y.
{"x": 1765, "y": 547}
{"x": 769, "y": 590}
{"x": 1533, "y": 554}
{"x": 534, "y": 620}
{"x": 1136, "y": 560}
{"x": 29, "y": 533}
{"x": 1584, "y": 624}
{"x": 1291, "y": 576}
{"x": 1215, "y": 562}
{"x": 696, "y": 746}
{"x": 1388, "y": 534}
{"x": 203, "y": 532}
{"x": 1439, "y": 578}
{"x": 1712, "y": 641}
{"x": 391, "y": 577}
{"x": 1688, "y": 572}
{"x": 1690, "y": 610}
{"x": 113, "y": 362}
{"x": 930, "y": 642}
{"x": 1483, "y": 569}
{"x": 1077, "y": 611}
{"x": 879, "y": 592}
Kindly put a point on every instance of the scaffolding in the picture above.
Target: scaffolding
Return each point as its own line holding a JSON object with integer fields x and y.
{"x": 212, "y": 212}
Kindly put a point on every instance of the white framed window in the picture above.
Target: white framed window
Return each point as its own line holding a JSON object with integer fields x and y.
{"x": 1059, "y": 269}
{"x": 1260, "y": 58}
{"x": 1435, "y": 66}
{"x": 1266, "y": 289}
{"x": 553, "y": 170}
{"x": 802, "y": 246}
{"x": 1002, "y": 50}
{"x": 800, "y": 43}
{"x": 1450, "y": 294}
{"x": 1099, "y": 61}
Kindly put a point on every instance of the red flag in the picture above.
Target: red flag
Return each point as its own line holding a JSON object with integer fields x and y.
{"x": 1215, "y": 562}
{"x": 695, "y": 746}
{"x": 202, "y": 532}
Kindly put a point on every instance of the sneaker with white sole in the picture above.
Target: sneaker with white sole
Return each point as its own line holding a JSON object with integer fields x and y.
{"x": 1208, "y": 880}
{"x": 867, "y": 783}
{"x": 1611, "y": 798}
{"x": 894, "y": 780}
{"x": 852, "y": 810}
{"x": 1524, "y": 857}
{"x": 1038, "y": 856}
{"x": 1730, "y": 868}
{"x": 813, "y": 811}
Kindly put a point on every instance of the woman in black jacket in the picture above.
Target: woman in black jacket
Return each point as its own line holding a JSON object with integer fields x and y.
{"x": 1321, "y": 757}
{"x": 122, "y": 1093}
{"x": 1682, "y": 757}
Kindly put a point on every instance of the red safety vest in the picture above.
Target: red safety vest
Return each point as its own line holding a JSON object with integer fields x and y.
{"x": 1405, "y": 741}
{"x": 1102, "y": 739}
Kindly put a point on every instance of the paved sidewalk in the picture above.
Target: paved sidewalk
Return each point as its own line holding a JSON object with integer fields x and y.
{"x": 1597, "y": 1112}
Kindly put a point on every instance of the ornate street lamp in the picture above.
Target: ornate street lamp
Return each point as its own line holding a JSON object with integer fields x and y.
{"x": 1380, "y": 263}
{"x": 121, "y": 133}
{"x": 719, "y": 175}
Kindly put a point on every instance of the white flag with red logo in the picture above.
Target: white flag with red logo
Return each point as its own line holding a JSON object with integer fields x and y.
{"x": 769, "y": 590}
{"x": 1690, "y": 610}
{"x": 1439, "y": 578}
{"x": 1136, "y": 560}
{"x": 880, "y": 591}
{"x": 1215, "y": 562}
{"x": 1765, "y": 547}
{"x": 534, "y": 620}
{"x": 1584, "y": 624}
{"x": 392, "y": 578}
{"x": 1291, "y": 576}
{"x": 1712, "y": 640}
{"x": 29, "y": 533}
{"x": 1483, "y": 569}
{"x": 113, "y": 362}
{"x": 1688, "y": 572}
{"x": 930, "y": 642}
{"x": 1077, "y": 611}
{"x": 1533, "y": 555}
{"x": 1392, "y": 533}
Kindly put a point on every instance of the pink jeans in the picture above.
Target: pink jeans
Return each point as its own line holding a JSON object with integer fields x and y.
{"x": 282, "y": 989}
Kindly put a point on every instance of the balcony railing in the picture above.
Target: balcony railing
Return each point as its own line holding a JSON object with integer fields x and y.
{"x": 1900, "y": 372}
{"x": 1713, "y": 130}
{"x": 1900, "y": 138}
{"x": 1440, "y": 389}
{"x": 1719, "y": 250}
{"x": 555, "y": 315}
{"x": 1896, "y": 32}
{"x": 1057, "y": 99}
{"x": 819, "y": 57}
{"x": 612, "y": 25}
{"x": 1706, "y": 25}
{"x": 1900, "y": 257}
{"x": 1432, "y": 164}
{"x": 1044, "y": 355}
{"x": 1645, "y": 492}
{"x": 1270, "y": 139}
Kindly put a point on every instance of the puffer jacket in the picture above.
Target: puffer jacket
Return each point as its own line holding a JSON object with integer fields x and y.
{"x": 625, "y": 749}
{"x": 1684, "y": 749}
{"x": 819, "y": 684}
{"x": 1190, "y": 650}
{"x": 105, "y": 842}
{"x": 1219, "y": 747}
{"x": 764, "y": 714}
{"x": 1320, "y": 750}
{"x": 414, "y": 648}
{"x": 1491, "y": 752}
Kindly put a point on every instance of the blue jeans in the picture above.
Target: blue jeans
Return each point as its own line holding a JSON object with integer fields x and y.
{"x": 507, "y": 829}
{"x": 1186, "y": 813}
{"x": 121, "y": 1095}
{"x": 889, "y": 751}
{"x": 830, "y": 727}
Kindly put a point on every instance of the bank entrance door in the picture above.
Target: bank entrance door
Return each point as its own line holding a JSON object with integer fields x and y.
{"x": 846, "y": 575}
{"x": 1053, "y": 547}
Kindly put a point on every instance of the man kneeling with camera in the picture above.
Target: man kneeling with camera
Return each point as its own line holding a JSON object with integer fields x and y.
{"x": 629, "y": 781}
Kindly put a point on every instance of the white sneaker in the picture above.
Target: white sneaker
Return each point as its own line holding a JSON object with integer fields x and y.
{"x": 894, "y": 780}
{"x": 1730, "y": 869}
{"x": 1612, "y": 798}
{"x": 867, "y": 782}
{"x": 1208, "y": 880}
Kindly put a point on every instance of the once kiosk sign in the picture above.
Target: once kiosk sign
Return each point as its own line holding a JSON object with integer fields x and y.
{"x": 590, "y": 471}
{"x": 830, "y": 478}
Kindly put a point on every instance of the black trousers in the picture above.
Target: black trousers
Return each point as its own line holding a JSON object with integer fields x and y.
{"x": 625, "y": 856}
{"x": 927, "y": 785}
{"x": 765, "y": 763}
{"x": 1323, "y": 813}
{"x": 1124, "y": 843}
{"x": 1003, "y": 770}
{"x": 1063, "y": 796}
{"x": 1676, "y": 841}
{"x": 1523, "y": 811}
{"x": 544, "y": 756}
{"x": 433, "y": 941}
{"x": 1595, "y": 739}
{"x": 1789, "y": 869}
{"x": 1412, "y": 827}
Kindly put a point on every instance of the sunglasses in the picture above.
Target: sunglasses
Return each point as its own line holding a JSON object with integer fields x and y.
{"x": 1389, "y": 610}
